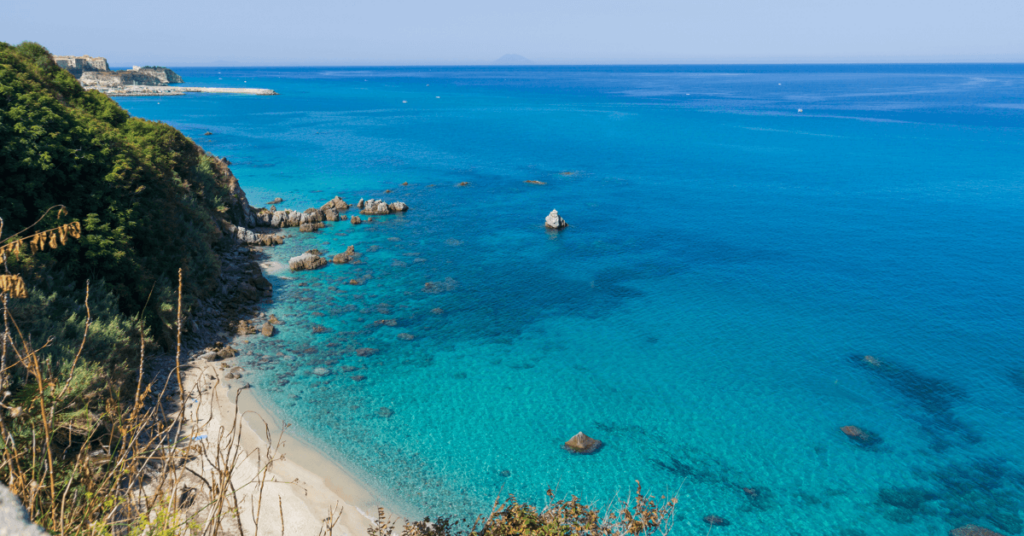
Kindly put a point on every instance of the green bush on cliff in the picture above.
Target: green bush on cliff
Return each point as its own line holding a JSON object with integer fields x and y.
{"x": 142, "y": 190}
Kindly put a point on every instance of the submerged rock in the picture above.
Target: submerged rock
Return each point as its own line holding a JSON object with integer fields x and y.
{"x": 860, "y": 436}
{"x": 972, "y": 530}
{"x": 535, "y": 182}
{"x": 365, "y": 352}
{"x": 309, "y": 260}
{"x": 872, "y": 361}
{"x": 406, "y": 336}
{"x": 385, "y": 412}
{"x": 554, "y": 221}
{"x": 582, "y": 444}
{"x": 320, "y": 371}
{"x": 716, "y": 521}
{"x": 390, "y": 322}
{"x": 358, "y": 378}
{"x": 437, "y": 311}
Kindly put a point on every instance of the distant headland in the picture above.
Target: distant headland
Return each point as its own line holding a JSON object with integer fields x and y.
{"x": 95, "y": 73}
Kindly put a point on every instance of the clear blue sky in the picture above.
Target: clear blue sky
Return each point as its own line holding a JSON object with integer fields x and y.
{"x": 444, "y": 32}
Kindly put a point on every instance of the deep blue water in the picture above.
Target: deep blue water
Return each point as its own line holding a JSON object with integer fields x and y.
{"x": 729, "y": 263}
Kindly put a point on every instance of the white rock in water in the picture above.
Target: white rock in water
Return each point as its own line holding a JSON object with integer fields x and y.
{"x": 554, "y": 221}
{"x": 320, "y": 371}
{"x": 398, "y": 206}
{"x": 376, "y": 207}
{"x": 306, "y": 261}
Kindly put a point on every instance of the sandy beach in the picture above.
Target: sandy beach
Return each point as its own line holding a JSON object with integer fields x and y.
{"x": 301, "y": 488}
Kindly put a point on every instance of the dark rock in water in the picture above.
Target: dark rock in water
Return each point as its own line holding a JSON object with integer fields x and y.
{"x": 276, "y": 201}
{"x": 365, "y": 352}
{"x": 437, "y": 311}
{"x": 226, "y": 353}
{"x": 320, "y": 329}
{"x": 267, "y": 329}
{"x": 872, "y": 361}
{"x": 356, "y": 282}
{"x": 900, "y": 515}
{"x": 390, "y": 322}
{"x": 505, "y": 473}
{"x": 905, "y": 498}
{"x": 349, "y": 368}
{"x": 356, "y": 220}
{"x": 535, "y": 182}
{"x": 385, "y": 412}
{"x": 273, "y": 320}
{"x": 861, "y": 436}
{"x": 358, "y": 377}
{"x": 582, "y": 444}
{"x": 463, "y": 183}
{"x": 972, "y": 530}
{"x": 346, "y": 256}
{"x": 207, "y": 133}
{"x": 716, "y": 521}
{"x": 310, "y": 227}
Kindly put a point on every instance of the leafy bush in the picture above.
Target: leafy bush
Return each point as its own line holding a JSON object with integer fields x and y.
{"x": 143, "y": 192}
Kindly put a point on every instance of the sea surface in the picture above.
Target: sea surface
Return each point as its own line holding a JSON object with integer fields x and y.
{"x": 730, "y": 261}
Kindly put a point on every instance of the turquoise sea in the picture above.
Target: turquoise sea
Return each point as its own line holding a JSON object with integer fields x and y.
{"x": 729, "y": 263}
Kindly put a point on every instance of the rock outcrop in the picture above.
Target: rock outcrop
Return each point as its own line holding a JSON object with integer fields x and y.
{"x": 95, "y": 72}
{"x": 310, "y": 260}
{"x": 337, "y": 204}
{"x": 346, "y": 256}
{"x": 14, "y": 520}
{"x": 554, "y": 221}
{"x": 582, "y": 444}
{"x": 378, "y": 207}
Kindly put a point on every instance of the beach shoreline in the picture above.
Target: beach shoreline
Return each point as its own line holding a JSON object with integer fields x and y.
{"x": 307, "y": 486}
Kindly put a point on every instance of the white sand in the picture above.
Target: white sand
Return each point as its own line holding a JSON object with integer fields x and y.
{"x": 305, "y": 482}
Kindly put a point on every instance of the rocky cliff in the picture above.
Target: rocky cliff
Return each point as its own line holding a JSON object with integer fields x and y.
{"x": 95, "y": 72}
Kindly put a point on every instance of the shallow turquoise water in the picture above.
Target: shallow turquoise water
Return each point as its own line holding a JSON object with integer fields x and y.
{"x": 729, "y": 262}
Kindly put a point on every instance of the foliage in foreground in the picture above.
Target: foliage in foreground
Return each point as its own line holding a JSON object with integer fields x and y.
{"x": 643, "y": 515}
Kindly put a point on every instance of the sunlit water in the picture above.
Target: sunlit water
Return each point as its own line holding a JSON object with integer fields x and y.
{"x": 729, "y": 263}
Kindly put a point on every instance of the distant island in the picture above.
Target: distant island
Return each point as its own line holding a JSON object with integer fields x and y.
{"x": 95, "y": 73}
{"x": 512, "y": 59}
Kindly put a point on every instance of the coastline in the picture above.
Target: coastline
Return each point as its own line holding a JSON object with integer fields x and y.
{"x": 177, "y": 91}
{"x": 231, "y": 428}
{"x": 306, "y": 486}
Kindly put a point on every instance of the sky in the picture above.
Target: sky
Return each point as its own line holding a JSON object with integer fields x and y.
{"x": 478, "y": 32}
